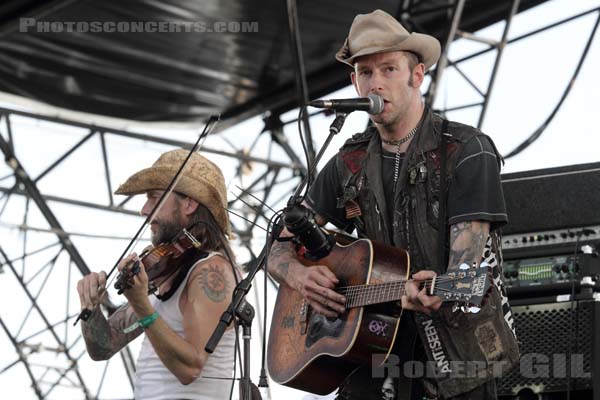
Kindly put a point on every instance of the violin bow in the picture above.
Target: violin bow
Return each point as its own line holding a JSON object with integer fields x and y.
{"x": 208, "y": 129}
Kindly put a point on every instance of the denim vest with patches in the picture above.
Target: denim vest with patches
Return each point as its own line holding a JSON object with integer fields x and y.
{"x": 486, "y": 340}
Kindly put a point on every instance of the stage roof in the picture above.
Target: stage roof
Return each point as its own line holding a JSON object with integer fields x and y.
{"x": 243, "y": 68}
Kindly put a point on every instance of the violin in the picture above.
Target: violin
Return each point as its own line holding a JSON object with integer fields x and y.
{"x": 159, "y": 262}
{"x": 126, "y": 279}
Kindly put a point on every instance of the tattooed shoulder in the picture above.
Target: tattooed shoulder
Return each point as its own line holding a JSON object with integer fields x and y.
{"x": 213, "y": 282}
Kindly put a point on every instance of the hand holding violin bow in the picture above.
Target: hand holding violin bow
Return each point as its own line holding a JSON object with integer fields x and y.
{"x": 92, "y": 288}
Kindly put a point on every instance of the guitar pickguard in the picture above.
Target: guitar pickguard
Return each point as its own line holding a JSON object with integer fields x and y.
{"x": 320, "y": 326}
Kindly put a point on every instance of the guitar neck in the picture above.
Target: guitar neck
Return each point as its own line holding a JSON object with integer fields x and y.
{"x": 467, "y": 286}
{"x": 365, "y": 295}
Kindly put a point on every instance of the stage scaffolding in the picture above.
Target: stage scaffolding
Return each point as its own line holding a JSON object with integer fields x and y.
{"x": 42, "y": 259}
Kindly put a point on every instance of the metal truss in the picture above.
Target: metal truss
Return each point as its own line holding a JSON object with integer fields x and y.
{"x": 45, "y": 260}
{"x": 45, "y": 343}
{"x": 455, "y": 11}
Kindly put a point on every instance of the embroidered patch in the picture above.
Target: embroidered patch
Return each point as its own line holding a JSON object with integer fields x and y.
{"x": 434, "y": 341}
{"x": 353, "y": 159}
{"x": 352, "y": 209}
{"x": 489, "y": 341}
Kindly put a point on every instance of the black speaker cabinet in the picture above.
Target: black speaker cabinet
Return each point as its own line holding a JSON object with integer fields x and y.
{"x": 545, "y": 332}
{"x": 553, "y": 198}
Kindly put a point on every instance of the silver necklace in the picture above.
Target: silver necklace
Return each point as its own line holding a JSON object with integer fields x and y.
{"x": 398, "y": 143}
{"x": 403, "y": 140}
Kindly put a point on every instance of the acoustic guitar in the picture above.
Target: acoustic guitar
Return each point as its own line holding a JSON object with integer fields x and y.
{"x": 314, "y": 353}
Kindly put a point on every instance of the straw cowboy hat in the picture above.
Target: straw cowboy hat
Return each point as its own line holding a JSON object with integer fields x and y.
{"x": 379, "y": 32}
{"x": 200, "y": 180}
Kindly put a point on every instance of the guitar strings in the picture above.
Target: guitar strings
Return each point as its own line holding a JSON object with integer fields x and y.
{"x": 443, "y": 278}
{"x": 400, "y": 281}
{"x": 387, "y": 291}
{"x": 364, "y": 299}
{"x": 359, "y": 302}
{"x": 358, "y": 293}
{"x": 394, "y": 285}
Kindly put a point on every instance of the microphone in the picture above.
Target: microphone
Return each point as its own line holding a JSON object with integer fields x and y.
{"x": 300, "y": 221}
{"x": 372, "y": 104}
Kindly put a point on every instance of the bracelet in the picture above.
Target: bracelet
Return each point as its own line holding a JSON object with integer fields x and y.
{"x": 142, "y": 323}
{"x": 149, "y": 320}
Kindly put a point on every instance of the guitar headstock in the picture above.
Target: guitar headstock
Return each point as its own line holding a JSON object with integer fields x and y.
{"x": 466, "y": 286}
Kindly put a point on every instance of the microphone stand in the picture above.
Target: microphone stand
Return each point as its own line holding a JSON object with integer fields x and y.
{"x": 238, "y": 306}
{"x": 334, "y": 129}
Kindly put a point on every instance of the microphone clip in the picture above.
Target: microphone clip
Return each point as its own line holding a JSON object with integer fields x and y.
{"x": 300, "y": 221}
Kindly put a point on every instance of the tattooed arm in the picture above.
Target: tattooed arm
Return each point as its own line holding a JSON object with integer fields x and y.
{"x": 316, "y": 283}
{"x": 467, "y": 240}
{"x": 103, "y": 338}
{"x": 280, "y": 257}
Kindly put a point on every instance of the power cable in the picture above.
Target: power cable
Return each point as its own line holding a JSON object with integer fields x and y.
{"x": 538, "y": 132}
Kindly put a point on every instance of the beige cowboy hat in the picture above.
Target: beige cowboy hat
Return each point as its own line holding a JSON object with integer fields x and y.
{"x": 200, "y": 180}
{"x": 379, "y": 32}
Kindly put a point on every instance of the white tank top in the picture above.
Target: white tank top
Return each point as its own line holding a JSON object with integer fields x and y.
{"x": 153, "y": 381}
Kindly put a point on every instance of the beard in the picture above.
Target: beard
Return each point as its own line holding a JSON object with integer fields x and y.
{"x": 166, "y": 230}
{"x": 165, "y": 233}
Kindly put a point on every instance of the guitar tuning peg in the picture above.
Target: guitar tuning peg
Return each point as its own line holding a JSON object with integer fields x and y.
{"x": 456, "y": 307}
{"x": 464, "y": 267}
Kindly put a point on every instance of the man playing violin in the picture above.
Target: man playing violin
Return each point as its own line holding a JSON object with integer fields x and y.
{"x": 419, "y": 182}
{"x": 193, "y": 293}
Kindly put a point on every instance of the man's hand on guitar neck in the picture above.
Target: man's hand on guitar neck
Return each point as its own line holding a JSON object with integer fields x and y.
{"x": 417, "y": 299}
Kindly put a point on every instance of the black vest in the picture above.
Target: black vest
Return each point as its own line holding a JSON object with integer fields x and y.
{"x": 412, "y": 223}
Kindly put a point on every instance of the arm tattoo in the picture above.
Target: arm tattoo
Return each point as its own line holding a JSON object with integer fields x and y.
{"x": 96, "y": 333}
{"x": 283, "y": 269}
{"x": 213, "y": 282}
{"x": 467, "y": 240}
{"x": 279, "y": 256}
{"x": 103, "y": 338}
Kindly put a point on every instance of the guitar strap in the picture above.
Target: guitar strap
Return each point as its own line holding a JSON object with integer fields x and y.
{"x": 443, "y": 201}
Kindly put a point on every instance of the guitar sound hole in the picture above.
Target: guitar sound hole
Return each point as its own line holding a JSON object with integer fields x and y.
{"x": 320, "y": 326}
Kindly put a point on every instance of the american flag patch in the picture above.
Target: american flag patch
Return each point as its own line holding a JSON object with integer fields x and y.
{"x": 352, "y": 209}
